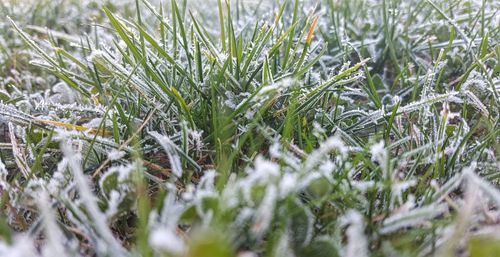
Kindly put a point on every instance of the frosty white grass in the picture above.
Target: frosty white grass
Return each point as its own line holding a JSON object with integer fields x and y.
{"x": 249, "y": 128}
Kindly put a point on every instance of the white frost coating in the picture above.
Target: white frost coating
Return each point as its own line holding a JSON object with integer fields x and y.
{"x": 115, "y": 198}
{"x": 412, "y": 218}
{"x": 55, "y": 238}
{"x": 288, "y": 184}
{"x": 122, "y": 44}
{"x": 45, "y": 105}
{"x": 4, "y": 185}
{"x": 317, "y": 156}
{"x": 345, "y": 103}
{"x": 93, "y": 123}
{"x": 172, "y": 209}
{"x": 196, "y": 139}
{"x": 263, "y": 173}
{"x": 170, "y": 149}
{"x": 63, "y": 94}
{"x": 165, "y": 240}
{"x": 307, "y": 179}
{"x": 477, "y": 103}
{"x": 379, "y": 154}
{"x": 207, "y": 182}
{"x": 327, "y": 168}
{"x": 230, "y": 193}
{"x": 188, "y": 194}
{"x": 243, "y": 217}
{"x": 58, "y": 179}
{"x": 284, "y": 249}
{"x": 363, "y": 186}
{"x": 96, "y": 55}
{"x": 265, "y": 212}
{"x": 22, "y": 247}
{"x": 289, "y": 159}
{"x": 88, "y": 198}
{"x": 115, "y": 154}
{"x": 408, "y": 205}
{"x": 123, "y": 171}
{"x": 18, "y": 153}
{"x": 230, "y": 101}
{"x": 357, "y": 244}
{"x": 399, "y": 188}
{"x": 205, "y": 190}
{"x": 447, "y": 114}
{"x": 473, "y": 179}
{"x": 310, "y": 224}
{"x": 118, "y": 194}
{"x": 247, "y": 254}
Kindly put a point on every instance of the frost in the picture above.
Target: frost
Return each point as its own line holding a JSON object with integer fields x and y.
{"x": 247, "y": 254}
{"x": 364, "y": 185}
{"x": 265, "y": 212}
{"x": 399, "y": 188}
{"x": 473, "y": 179}
{"x": 165, "y": 240}
{"x": 170, "y": 148}
{"x": 298, "y": 130}
{"x": 52, "y": 231}
{"x": 332, "y": 143}
{"x": 22, "y": 247}
{"x": 379, "y": 154}
{"x": 412, "y": 218}
{"x": 96, "y": 55}
{"x": 114, "y": 200}
{"x": 264, "y": 172}
{"x": 4, "y": 185}
{"x": 477, "y": 103}
{"x": 18, "y": 153}
{"x": 196, "y": 139}
{"x": 63, "y": 94}
{"x": 284, "y": 249}
{"x": 88, "y": 198}
{"x": 123, "y": 171}
{"x": 357, "y": 245}
{"x": 288, "y": 184}
{"x": 172, "y": 209}
{"x": 115, "y": 154}
{"x": 230, "y": 195}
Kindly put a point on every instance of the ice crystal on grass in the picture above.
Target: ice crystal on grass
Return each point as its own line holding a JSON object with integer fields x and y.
{"x": 357, "y": 244}
{"x": 22, "y": 246}
{"x": 109, "y": 243}
{"x": 115, "y": 154}
{"x": 414, "y": 217}
{"x": 265, "y": 212}
{"x": 379, "y": 154}
{"x": 171, "y": 150}
{"x": 167, "y": 241}
{"x": 55, "y": 238}
{"x": 296, "y": 128}
{"x": 331, "y": 144}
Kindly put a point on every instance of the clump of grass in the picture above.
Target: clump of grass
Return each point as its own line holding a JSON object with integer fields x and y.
{"x": 235, "y": 128}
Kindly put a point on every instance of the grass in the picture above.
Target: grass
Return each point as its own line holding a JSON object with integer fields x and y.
{"x": 249, "y": 128}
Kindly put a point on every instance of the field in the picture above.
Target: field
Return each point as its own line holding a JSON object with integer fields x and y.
{"x": 246, "y": 128}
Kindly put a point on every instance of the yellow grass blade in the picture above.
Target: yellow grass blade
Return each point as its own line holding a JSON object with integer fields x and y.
{"x": 72, "y": 126}
{"x": 311, "y": 30}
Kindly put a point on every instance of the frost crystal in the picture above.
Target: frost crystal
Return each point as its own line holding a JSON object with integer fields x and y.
{"x": 165, "y": 240}
{"x": 379, "y": 154}
{"x": 170, "y": 148}
{"x": 357, "y": 245}
{"x": 115, "y": 155}
{"x": 265, "y": 212}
